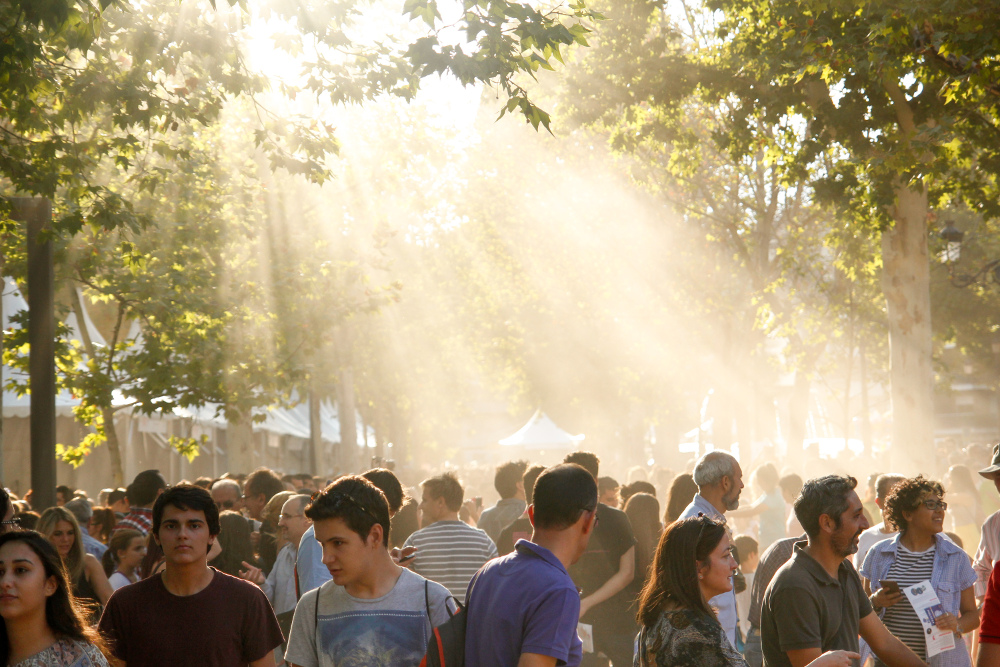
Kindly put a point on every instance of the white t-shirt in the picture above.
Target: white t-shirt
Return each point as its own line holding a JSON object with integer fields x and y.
{"x": 867, "y": 540}
{"x": 390, "y": 630}
{"x": 117, "y": 580}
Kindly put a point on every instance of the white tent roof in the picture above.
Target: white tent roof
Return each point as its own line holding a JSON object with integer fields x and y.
{"x": 541, "y": 433}
{"x": 20, "y": 406}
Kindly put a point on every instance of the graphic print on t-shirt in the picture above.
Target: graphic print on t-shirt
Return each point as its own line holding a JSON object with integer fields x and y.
{"x": 374, "y": 639}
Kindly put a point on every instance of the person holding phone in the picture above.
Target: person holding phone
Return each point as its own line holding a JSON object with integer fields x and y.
{"x": 920, "y": 552}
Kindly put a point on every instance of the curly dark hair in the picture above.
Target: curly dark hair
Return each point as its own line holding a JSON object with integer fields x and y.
{"x": 905, "y": 497}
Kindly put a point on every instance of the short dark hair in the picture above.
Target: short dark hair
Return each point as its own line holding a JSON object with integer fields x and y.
{"x": 187, "y": 497}
{"x": 562, "y": 493}
{"x": 387, "y": 481}
{"x": 528, "y": 479}
{"x": 66, "y": 492}
{"x": 823, "y": 495}
{"x": 745, "y": 546}
{"x": 507, "y": 476}
{"x": 446, "y": 486}
{"x": 683, "y": 547}
{"x": 355, "y": 501}
{"x": 586, "y": 460}
{"x": 905, "y": 497}
{"x": 638, "y": 486}
{"x": 143, "y": 489}
{"x": 605, "y": 484}
{"x": 263, "y": 480}
{"x": 116, "y": 495}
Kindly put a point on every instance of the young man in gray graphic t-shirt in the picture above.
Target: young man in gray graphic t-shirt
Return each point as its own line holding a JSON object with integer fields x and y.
{"x": 373, "y": 612}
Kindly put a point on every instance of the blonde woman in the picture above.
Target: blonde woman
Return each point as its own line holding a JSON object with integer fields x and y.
{"x": 86, "y": 574}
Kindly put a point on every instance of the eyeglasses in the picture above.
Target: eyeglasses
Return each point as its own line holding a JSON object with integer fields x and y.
{"x": 934, "y": 505}
{"x": 286, "y": 517}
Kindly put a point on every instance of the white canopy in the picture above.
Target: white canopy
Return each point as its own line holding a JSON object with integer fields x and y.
{"x": 541, "y": 433}
{"x": 20, "y": 406}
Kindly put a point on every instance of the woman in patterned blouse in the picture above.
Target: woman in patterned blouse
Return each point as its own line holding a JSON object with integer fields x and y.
{"x": 693, "y": 564}
{"x": 42, "y": 623}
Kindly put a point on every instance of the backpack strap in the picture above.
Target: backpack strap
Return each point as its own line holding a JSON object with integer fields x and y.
{"x": 316, "y": 634}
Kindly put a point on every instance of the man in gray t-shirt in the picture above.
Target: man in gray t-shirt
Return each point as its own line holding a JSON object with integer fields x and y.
{"x": 374, "y": 612}
{"x": 388, "y": 630}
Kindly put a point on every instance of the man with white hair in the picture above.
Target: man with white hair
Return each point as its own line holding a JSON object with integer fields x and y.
{"x": 720, "y": 480}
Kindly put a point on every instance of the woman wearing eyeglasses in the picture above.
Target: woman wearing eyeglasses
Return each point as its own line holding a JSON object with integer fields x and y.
{"x": 921, "y": 552}
{"x": 693, "y": 564}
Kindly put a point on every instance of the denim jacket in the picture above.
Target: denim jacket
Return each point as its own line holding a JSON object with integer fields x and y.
{"x": 952, "y": 574}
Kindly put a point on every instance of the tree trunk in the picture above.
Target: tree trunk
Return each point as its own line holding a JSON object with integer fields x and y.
{"x": 906, "y": 285}
{"x": 348, "y": 424}
{"x": 239, "y": 445}
{"x": 114, "y": 447}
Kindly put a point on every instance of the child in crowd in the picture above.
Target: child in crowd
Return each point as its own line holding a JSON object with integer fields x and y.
{"x": 121, "y": 561}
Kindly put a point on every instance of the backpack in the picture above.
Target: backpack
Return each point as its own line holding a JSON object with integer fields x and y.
{"x": 446, "y": 647}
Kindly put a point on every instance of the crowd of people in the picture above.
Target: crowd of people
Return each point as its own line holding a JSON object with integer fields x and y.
{"x": 568, "y": 567}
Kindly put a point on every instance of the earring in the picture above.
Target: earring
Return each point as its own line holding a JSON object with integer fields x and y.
{"x": 701, "y": 576}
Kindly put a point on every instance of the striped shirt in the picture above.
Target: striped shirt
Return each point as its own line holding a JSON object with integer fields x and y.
{"x": 907, "y": 570}
{"x": 450, "y": 553}
{"x": 138, "y": 518}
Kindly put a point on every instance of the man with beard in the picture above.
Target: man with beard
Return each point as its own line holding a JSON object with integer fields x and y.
{"x": 816, "y": 601}
{"x": 720, "y": 480}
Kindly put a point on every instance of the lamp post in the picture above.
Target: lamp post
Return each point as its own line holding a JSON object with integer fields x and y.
{"x": 953, "y": 238}
{"x": 986, "y": 274}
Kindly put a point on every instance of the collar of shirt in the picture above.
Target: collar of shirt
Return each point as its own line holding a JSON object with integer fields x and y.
{"x": 941, "y": 543}
{"x": 814, "y": 568}
{"x": 707, "y": 508}
{"x": 525, "y": 548}
{"x": 144, "y": 511}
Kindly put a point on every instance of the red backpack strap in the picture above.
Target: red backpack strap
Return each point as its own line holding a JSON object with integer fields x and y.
{"x": 440, "y": 646}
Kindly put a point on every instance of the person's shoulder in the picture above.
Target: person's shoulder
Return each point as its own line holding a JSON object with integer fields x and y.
{"x": 946, "y": 546}
{"x": 792, "y": 574}
{"x": 412, "y": 581}
{"x": 229, "y": 585}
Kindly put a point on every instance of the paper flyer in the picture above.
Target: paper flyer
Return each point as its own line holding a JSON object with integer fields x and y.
{"x": 926, "y": 604}
{"x": 586, "y": 633}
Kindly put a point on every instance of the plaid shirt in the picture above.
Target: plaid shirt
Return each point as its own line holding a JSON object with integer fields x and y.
{"x": 952, "y": 574}
{"x": 776, "y": 555}
{"x": 138, "y": 518}
{"x": 987, "y": 554}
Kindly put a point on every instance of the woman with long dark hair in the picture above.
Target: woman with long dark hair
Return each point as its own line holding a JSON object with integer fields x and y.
{"x": 43, "y": 626}
{"x": 90, "y": 584}
{"x": 237, "y": 548}
{"x": 693, "y": 564}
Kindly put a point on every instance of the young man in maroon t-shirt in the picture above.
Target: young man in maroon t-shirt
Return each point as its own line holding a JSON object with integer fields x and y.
{"x": 191, "y": 613}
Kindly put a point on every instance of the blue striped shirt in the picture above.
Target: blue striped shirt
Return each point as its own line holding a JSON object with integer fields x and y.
{"x": 952, "y": 574}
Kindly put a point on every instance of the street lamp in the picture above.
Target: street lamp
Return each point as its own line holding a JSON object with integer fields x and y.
{"x": 953, "y": 237}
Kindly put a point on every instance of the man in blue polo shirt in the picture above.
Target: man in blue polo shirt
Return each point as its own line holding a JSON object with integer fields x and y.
{"x": 523, "y": 608}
